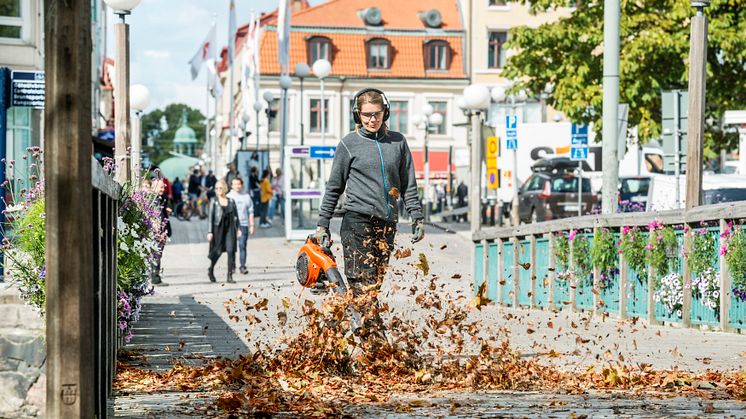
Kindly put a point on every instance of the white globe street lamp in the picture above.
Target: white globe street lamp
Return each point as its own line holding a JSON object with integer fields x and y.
{"x": 435, "y": 119}
{"x": 139, "y": 96}
{"x": 246, "y": 117}
{"x": 285, "y": 82}
{"x": 122, "y": 7}
{"x": 477, "y": 97}
{"x": 498, "y": 94}
{"x": 268, "y": 97}
{"x": 302, "y": 71}
{"x": 322, "y": 68}
{"x": 427, "y": 109}
{"x": 417, "y": 119}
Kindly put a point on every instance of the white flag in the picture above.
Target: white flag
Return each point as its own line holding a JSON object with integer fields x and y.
{"x": 205, "y": 52}
{"x": 213, "y": 79}
{"x": 283, "y": 35}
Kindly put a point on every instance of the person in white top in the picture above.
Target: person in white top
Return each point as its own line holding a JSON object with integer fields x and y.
{"x": 245, "y": 207}
{"x": 278, "y": 197}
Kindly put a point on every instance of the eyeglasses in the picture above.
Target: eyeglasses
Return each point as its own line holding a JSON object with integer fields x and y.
{"x": 369, "y": 115}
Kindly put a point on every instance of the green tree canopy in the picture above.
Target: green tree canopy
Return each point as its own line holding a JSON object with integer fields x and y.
{"x": 568, "y": 55}
{"x": 160, "y": 125}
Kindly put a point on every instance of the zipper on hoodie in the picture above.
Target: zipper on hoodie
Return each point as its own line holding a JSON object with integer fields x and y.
{"x": 385, "y": 185}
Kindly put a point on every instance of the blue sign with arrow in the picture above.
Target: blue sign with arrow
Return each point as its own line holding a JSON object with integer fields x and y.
{"x": 322, "y": 152}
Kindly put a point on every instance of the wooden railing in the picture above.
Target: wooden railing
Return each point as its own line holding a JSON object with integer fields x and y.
{"x": 519, "y": 267}
{"x": 105, "y": 208}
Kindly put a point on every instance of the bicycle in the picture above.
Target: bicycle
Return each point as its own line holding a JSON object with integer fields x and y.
{"x": 184, "y": 208}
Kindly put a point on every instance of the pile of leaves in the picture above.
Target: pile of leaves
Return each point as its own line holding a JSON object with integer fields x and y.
{"x": 328, "y": 366}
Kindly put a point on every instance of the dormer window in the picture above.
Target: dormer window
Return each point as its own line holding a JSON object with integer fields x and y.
{"x": 437, "y": 55}
{"x": 379, "y": 54}
{"x": 319, "y": 47}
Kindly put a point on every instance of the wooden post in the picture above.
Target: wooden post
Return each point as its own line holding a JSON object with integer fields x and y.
{"x": 122, "y": 103}
{"x": 500, "y": 278}
{"x": 622, "y": 288}
{"x": 686, "y": 303}
{"x": 69, "y": 219}
{"x": 651, "y": 288}
{"x": 696, "y": 113}
{"x": 516, "y": 269}
{"x": 532, "y": 291}
{"x": 595, "y": 288}
{"x": 552, "y": 273}
{"x": 725, "y": 287}
{"x": 572, "y": 280}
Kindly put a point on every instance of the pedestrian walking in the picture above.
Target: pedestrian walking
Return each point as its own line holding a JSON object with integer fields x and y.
{"x": 461, "y": 192}
{"x": 265, "y": 192}
{"x": 278, "y": 195}
{"x": 254, "y": 188}
{"x": 223, "y": 230}
{"x": 232, "y": 174}
{"x": 245, "y": 208}
{"x": 374, "y": 166}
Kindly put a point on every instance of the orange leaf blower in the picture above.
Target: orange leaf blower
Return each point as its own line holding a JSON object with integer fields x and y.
{"x": 316, "y": 267}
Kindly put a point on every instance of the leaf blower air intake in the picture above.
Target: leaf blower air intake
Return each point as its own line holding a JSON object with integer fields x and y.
{"x": 316, "y": 267}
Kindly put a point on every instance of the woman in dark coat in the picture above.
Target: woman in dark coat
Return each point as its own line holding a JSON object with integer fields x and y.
{"x": 223, "y": 230}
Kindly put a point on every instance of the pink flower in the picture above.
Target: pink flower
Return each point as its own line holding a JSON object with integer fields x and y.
{"x": 625, "y": 230}
{"x": 649, "y": 246}
{"x": 723, "y": 250}
{"x": 572, "y": 235}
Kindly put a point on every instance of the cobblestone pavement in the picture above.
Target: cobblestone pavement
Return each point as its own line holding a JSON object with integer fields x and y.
{"x": 187, "y": 321}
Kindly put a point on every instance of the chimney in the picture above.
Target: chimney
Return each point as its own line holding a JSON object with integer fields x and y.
{"x": 297, "y": 6}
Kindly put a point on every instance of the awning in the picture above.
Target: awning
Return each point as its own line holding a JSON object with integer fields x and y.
{"x": 438, "y": 164}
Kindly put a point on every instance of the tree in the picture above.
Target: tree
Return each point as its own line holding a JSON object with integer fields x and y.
{"x": 568, "y": 55}
{"x": 160, "y": 125}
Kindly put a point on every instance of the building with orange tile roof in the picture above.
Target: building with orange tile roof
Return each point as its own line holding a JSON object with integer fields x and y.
{"x": 412, "y": 50}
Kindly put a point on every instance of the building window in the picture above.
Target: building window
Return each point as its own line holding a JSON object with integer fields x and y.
{"x": 12, "y": 14}
{"x": 319, "y": 47}
{"x": 441, "y": 108}
{"x": 496, "y": 51}
{"x": 20, "y": 137}
{"x": 399, "y": 117}
{"x": 379, "y": 54}
{"x": 437, "y": 55}
{"x": 316, "y": 115}
{"x": 497, "y": 2}
{"x": 274, "y": 121}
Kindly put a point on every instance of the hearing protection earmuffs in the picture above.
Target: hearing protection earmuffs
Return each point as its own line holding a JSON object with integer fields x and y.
{"x": 356, "y": 111}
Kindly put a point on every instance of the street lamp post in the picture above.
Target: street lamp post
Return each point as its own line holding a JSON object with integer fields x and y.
{"x": 430, "y": 119}
{"x": 285, "y": 83}
{"x": 301, "y": 71}
{"x": 245, "y": 118}
{"x": 257, "y": 109}
{"x": 476, "y": 99}
{"x": 139, "y": 100}
{"x": 268, "y": 97}
{"x": 121, "y": 88}
{"x": 321, "y": 69}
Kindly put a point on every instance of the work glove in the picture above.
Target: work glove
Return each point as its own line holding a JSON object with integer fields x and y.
{"x": 418, "y": 229}
{"x": 322, "y": 236}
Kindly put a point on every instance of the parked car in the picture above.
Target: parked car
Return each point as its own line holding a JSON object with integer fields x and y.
{"x": 552, "y": 192}
{"x": 633, "y": 193}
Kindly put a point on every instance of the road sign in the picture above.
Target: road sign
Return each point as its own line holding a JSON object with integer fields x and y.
{"x": 27, "y": 89}
{"x": 579, "y": 134}
{"x": 491, "y": 162}
{"x": 299, "y": 152}
{"x": 322, "y": 152}
{"x": 674, "y": 105}
{"x": 511, "y": 132}
{"x": 579, "y": 153}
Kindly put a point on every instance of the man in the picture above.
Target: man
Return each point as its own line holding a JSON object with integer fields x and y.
{"x": 232, "y": 174}
{"x": 461, "y": 192}
{"x": 245, "y": 207}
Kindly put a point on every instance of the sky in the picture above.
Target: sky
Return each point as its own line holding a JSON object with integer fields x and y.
{"x": 165, "y": 34}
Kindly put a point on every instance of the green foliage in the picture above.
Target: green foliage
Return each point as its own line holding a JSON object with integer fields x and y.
{"x": 664, "y": 250}
{"x": 703, "y": 252}
{"x": 581, "y": 257}
{"x": 736, "y": 259}
{"x": 160, "y": 125}
{"x": 568, "y": 54}
{"x": 26, "y": 255}
{"x": 604, "y": 253}
{"x": 561, "y": 250}
{"x": 633, "y": 244}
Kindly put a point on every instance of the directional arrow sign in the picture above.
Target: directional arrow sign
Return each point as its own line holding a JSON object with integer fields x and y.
{"x": 322, "y": 152}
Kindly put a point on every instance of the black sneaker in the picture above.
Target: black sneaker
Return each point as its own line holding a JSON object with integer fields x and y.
{"x": 244, "y": 270}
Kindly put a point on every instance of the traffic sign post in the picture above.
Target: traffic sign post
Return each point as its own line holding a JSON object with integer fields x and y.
{"x": 322, "y": 152}
{"x": 511, "y": 143}
{"x": 579, "y": 152}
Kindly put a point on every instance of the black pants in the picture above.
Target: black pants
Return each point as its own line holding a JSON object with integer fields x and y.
{"x": 231, "y": 261}
{"x": 367, "y": 243}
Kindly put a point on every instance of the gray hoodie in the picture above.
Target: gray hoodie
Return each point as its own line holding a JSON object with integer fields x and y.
{"x": 375, "y": 170}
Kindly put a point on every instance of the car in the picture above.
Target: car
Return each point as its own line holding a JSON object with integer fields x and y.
{"x": 633, "y": 193}
{"x": 549, "y": 196}
{"x": 731, "y": 168}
